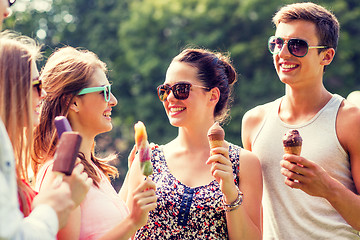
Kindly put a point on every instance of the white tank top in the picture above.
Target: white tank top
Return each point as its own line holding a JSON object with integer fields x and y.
{"x": 291, "y": 213}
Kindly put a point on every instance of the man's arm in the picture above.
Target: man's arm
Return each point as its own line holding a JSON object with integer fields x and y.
{"x": 251, "y": 124}
{"x": 315, "y": 181}
{"x": 347, "y": 203}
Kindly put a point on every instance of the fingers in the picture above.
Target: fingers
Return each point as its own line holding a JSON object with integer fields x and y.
{"x": 79, "y": 167}
{"x": 220, "y": 150}
{"x": 297, "y": 159}
{"x": 146, "y": 185}
{"x": 132, "y": 156}
{"x": 221, "y": 166}
{"x": 293, "y": 176}
{"x": 144, "y": 195}
{"x": 89, "y": 182}
{"x": 297, "y": 170}
{"x": 78, "y": 160}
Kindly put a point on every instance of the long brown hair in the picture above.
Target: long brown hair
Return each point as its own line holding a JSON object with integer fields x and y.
{"x": 17, "y": 53}
{"x": 66, "y": 73}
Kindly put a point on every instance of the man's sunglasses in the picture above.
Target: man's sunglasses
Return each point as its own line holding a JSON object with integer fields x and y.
{"x": 181, "y": 91}
{"x": 38, "y": 84}
{"x": 106, "y": 91}
{"x": 297, "y": 47}
{"x": 11, "y": 2}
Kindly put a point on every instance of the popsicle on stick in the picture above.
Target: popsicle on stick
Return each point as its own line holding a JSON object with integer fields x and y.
{"x": 143, "y": 148}
{"x": 67, "y": 148}
{"x": 66, "y": 153}
{"x": 62, "y": 125}
{"x": 292, "y": 142}
{"x": 216, "y": 135}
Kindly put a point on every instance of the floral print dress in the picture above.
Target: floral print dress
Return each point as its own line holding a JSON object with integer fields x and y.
{"x": 183, "y": 212}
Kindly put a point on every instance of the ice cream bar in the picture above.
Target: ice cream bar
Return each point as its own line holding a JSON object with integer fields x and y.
{"x": 216, "y": 135}
{"x": 142, "y": 145}
{"x": 62, "y": 125}
{"x": 292, "y": 142}
{"x": 66, "y": 152}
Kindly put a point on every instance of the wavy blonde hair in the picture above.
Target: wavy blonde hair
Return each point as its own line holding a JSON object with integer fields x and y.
{"x": 16, "y": 56}
{"x": 66, "y": 73}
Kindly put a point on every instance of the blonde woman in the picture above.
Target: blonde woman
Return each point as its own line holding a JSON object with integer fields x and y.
{"x": 78, "y": 88}
{"x": 20, "y": 97}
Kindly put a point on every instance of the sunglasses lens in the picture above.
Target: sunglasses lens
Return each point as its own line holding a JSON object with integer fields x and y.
{"x": 275, "y": 45}
{"x": 163, "y": 92}
{"x": 181, "y": 91}
{"x": 107, "y": 92}
{"x": 11, "y": 2}
{"x": 298, "y": 47}
{"x": 38, "y": 86}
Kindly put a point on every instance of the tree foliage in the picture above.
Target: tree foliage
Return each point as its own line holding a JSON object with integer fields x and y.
{"x": 139, "y": 38}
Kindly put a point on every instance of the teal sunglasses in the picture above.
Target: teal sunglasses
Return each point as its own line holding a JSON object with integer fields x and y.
{"x": 106, "y": 89}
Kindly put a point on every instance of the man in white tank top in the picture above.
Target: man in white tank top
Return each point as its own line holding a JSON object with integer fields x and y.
{"x": 314, "y": 195}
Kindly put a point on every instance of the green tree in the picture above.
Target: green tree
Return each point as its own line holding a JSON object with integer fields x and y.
{"x": 139, "y": 38}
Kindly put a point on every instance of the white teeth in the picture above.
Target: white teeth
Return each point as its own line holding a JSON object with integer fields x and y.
{"x": 107, "y": 114}
{"x": 178, "y": 109}
{"x": 288, "y": 66}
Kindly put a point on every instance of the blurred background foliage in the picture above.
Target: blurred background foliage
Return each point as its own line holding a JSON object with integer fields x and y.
{"x": 138, "y": 38}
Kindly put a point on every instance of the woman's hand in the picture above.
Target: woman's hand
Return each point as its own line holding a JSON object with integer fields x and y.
{"x": 143, "y": 201}
{"x": 79, "y": 183}
{"x": 222, "y": 171}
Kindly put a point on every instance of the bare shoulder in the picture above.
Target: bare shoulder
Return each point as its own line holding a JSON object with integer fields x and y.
{"x": 249, "y": 160}
{"x": 251, "y": 124}
{"x": 348, "y": 125}
{"x": 250, "y": 175}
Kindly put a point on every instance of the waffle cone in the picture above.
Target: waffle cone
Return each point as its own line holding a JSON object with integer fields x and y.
{"x": 296, "y": 150}
{"x": 216, "y": 143}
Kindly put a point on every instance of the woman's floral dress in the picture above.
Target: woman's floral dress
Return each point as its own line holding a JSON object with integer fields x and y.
{"x": 183, "y": 212}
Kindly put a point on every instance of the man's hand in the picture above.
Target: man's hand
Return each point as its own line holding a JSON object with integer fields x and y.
{"x": 306, "y": 175}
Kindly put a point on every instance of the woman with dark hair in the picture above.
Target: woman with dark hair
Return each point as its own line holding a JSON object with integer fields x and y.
{"x": 202, "y": 193}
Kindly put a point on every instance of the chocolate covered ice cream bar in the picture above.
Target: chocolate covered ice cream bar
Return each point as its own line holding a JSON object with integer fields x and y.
{"x": 66, "y": 152}
{"x": 62, "y": 125}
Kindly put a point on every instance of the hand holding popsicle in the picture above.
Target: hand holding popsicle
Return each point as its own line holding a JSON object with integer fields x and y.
{"x": 68, "y": 147}
{"x": 142, "y": 145}
{"x": 65, "y": 158}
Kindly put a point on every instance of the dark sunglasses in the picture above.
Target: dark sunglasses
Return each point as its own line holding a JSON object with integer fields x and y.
{"x": 38, "y": 84}
{"x": 11, "y": 2}
{"x": 181, "y": 91}
{"x": 297, "y": 47}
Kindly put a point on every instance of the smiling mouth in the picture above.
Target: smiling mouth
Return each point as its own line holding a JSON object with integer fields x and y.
{"x": 177, "y": 109}
{"x": 107, "y": 114}
{"x": 288, "y": 66}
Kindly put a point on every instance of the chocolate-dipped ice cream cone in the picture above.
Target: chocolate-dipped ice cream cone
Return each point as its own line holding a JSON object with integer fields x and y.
{"x": 216, "y": 135}
{"x": 292, "y": 142}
